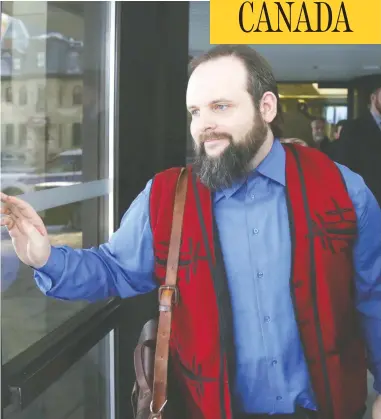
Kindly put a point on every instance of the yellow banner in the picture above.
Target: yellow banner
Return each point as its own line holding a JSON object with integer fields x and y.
{"x": 295, "y": 22}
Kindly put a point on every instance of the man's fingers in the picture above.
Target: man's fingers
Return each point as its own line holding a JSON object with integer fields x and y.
{"x": 17, "y": 226}
{"x": 4, "y": 197}
{"x": 15, "y": 211}
{"x": 10, "y": 222}
{"x": 20, "y": 205}
{"x": 5, "y": 210}
{"x": 7, "y": 221}
{"x": 5, "y": 200}
{"x": 21, "y": 209}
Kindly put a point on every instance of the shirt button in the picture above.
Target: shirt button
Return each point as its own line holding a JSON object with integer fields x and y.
{"x": 260, "y": 274}
{"x": 267, "y": 319}
{"x": 252, "y": 197}
{"x": 279, "y": 398}
{"x": 255, "y": 231}
{"x": 274, "y": 362}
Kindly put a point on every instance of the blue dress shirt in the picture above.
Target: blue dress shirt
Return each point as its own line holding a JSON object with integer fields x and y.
{"x": 271, "y": 375}
{"x": 377, "y": 118}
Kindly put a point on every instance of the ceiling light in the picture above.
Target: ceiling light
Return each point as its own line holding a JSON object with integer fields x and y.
{"x": 330, "y": 92}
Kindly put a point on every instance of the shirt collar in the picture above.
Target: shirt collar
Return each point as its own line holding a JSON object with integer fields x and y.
{"x": 273, "y": 167}
{"x": 377, "y": 118}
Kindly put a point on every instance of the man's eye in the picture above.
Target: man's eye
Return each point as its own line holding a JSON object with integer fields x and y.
{"x": 194, "y": 112}
{"x": 221, "y": 107}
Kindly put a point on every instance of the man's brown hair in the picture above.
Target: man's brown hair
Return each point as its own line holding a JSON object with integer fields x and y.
{"x": 260, "y": 76}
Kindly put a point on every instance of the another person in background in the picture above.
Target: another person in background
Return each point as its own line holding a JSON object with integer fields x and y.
{"x": 360, "y": 144}
{"x": 338, "y": 128}
{"x": 334, "y": 145}
{"x": 319, "y": 136}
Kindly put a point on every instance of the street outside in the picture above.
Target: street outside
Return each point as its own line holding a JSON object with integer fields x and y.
{"x": 26, "y": 314}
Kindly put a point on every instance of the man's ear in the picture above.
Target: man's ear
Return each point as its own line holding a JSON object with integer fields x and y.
{"x": 268, "y": 107}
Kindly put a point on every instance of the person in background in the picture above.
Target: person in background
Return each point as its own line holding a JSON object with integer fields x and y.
{"x": 334, "y": 145}
{"x": 321, "y": 141}
{"x": 338, "y": 128}
{"x": 359, "y": 147}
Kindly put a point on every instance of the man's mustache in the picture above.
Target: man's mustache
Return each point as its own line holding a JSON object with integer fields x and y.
{"x": 215, "y": 136}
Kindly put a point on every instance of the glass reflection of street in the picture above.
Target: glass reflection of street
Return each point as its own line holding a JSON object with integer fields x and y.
{"x": 22, "y": 302}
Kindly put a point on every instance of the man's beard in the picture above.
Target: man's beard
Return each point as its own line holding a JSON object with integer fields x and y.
{"x": 222, "y": 171}
{"x": 318, "y": 138}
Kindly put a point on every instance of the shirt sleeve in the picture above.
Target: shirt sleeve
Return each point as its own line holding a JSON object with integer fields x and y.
{"x": 367, "y": 263}
{"x": 121, "y": 267}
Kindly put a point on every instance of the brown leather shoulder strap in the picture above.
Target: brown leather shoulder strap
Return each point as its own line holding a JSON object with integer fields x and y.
{"x": 168, "y": 295}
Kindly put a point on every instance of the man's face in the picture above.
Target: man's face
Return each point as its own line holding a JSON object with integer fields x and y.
{"x": 318, "y": 130}
{"x": 376, "y": 100}
{"x": 226, "y": 128}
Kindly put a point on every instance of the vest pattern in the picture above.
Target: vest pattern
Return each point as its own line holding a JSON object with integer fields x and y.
{"x": 323, "y": 228}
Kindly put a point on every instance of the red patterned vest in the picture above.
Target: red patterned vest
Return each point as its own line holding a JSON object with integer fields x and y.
{"x": 323, "y": 230}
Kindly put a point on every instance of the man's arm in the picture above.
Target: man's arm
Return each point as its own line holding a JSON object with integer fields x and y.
{"x": 122, "y": 267}
{"x": 367, "y": 261}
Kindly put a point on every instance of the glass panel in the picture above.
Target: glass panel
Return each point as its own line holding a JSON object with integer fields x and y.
{"x": 54, "y": 74}
{"x": 81, "y": 393}
{"x": 27, "y": 315}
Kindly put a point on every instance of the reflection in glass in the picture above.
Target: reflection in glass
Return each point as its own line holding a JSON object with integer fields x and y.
{"x": 77, "y": 95}
{"x": 23, "y": 96}
{"x": 27, "y": 315}
{"x": 40, "y": 102}
{"x": 81, "y": 393}
{"x": 53, "y": 113}
{"x": 8, "y": 94}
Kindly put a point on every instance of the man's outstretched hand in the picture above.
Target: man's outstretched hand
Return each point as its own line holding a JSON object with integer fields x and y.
{"x": 27, "y": 231}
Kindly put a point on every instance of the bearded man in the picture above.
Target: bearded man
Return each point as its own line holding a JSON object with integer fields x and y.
{"x": 282, "y": 304}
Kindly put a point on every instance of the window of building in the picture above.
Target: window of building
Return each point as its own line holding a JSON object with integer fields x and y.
{"x": 23, "y": 96}
{"x": 73, "y": 62}
{"x": 61, "y": 96}
{"x": 41, "y": 99}
{"x": 77, "y": 95}
{"x": 22, "y": 135}
{"x": 334, "y": 114}
{"x": 41, "y": 59}
{"x": 9, "y": 134}
{"x": 61, "y": 136}
{"x": 8, "y": 94}
{"x": 76, "y": 134}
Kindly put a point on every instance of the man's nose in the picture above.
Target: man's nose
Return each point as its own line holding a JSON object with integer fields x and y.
{"x": 207, "y": 123}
